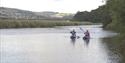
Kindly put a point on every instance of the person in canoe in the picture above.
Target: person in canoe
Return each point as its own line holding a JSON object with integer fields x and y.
{"x": 87, "y": 35}
{"x": 73, "y": 32}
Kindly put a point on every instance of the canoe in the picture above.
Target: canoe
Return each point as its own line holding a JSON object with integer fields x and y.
{"x": 86, "y": 38}
{"x": 73, "y": 37}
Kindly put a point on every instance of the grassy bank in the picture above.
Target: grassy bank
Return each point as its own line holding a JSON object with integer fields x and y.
{"x": 37, "y": 23}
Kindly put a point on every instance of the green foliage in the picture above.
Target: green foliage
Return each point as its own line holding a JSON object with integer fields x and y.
{"x": 6, "y": 23}
{"x": 82, "y": 16}
{"x": 112, "y": 15}
{"x": 100, "y": 14}
{"x": 116, "y": 8}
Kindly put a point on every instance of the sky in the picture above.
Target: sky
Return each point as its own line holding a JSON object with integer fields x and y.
{"x": 64, "y": 6}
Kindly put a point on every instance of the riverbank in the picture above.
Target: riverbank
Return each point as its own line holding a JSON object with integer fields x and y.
{"x": 117, "y": 43}
{"x": 117, "y": 46}
{"x": 38, "y": 23}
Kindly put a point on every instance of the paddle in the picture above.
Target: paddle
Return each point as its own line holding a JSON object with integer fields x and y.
{"x": 81, "y": 29}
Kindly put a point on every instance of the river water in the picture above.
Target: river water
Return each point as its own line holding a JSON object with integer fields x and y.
{"x": 53, "y": 45}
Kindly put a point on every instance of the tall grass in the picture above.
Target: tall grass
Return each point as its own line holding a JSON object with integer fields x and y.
{"x": 37, "y": 23}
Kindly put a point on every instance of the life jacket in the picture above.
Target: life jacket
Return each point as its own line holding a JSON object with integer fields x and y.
{"x": 87, "y": 35}
{"x": 73, "y": 33}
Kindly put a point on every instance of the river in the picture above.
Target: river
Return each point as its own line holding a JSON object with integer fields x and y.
{"x": 53, "y": 45}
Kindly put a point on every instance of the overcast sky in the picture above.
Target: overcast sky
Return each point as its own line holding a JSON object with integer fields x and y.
{"x": 66, "y": 6}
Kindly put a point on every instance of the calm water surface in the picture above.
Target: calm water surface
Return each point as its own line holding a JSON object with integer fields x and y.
{"x": 53, "y": 45}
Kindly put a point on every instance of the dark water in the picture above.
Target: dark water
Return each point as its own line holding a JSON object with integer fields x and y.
{"x": 53, "y": 45}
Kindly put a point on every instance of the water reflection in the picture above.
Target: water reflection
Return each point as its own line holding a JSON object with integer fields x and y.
{"x": 45, "y": 45}
{"x": 73, "y": 40}
{"x": 86, "y": 41}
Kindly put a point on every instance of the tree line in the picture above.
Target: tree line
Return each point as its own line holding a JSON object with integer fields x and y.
{"x": 111, "y": 14}
{"x": 117, "y": 11}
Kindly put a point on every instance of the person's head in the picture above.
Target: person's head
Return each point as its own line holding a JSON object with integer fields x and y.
{"x": 73, "y": 29}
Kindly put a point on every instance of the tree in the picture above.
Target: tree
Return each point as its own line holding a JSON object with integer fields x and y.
{"x": 116, "y": 8}
{"x": 100, "y": 14}
{"x": 82, "y": 16}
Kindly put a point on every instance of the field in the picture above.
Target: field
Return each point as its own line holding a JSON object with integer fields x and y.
{"x": 13, "y": 23}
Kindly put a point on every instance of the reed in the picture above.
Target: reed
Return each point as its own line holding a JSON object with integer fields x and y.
{"x": 37, "y": 23}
